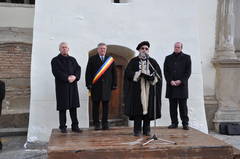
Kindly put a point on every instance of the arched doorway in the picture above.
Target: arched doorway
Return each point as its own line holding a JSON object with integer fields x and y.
{"x": 121, "y": 55}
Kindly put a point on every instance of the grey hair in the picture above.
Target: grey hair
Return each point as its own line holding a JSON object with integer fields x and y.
{"x": 179, "y": 43}
{"x": 63, "y": 43}
{"x": 101, "y": 44}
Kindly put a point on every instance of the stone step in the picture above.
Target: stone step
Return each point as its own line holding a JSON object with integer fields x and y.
{"x": 17, "y": 120}
{"x": 115, "y": 122}
{"x": 13, "y": 132}
{"x": 236, "y": 153}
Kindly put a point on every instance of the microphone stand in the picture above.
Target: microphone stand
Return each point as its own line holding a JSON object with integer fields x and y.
{"x": 154, "y": 137}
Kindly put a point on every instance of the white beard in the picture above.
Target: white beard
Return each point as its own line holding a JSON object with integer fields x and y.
{"x": 143, "y": 56}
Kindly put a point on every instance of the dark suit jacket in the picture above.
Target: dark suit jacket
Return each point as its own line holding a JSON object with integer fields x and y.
{"x": 2, "y": 94}
{"x": 102, "y": 89}
{"x": 2, "y": 90}
{"x": 66, "y": 93}
{"x": 177, "y": 67}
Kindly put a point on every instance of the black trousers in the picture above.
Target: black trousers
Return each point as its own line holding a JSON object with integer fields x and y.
{"x": 95, "y": 113}
{"x": 63, "y": 118}
{"x": 182, "y": 108}
{"x": 0, "y": 116}
{"x": 0, "y": 108}
{"x": 138, "y": 124}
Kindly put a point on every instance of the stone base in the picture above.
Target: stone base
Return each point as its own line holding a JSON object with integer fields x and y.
{"x": 211, "y": 106}
{"x": 227, "y": 91}
{"x": 119, "y": 143}
{"x": 17, "y": 120}
{"x": 217, "y": 123}
{"x": 227, "y": 115}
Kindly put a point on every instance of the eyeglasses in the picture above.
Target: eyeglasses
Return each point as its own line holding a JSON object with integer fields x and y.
{"x": 144, "y": 48}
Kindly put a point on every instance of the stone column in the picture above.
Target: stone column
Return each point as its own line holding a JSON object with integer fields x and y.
{"x": 227, "y": 67}
{"x": 225, "y": 31}
{"x": 237, "y": 26}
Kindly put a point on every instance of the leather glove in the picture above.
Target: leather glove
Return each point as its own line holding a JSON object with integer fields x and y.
{"x": 147, "y": 77}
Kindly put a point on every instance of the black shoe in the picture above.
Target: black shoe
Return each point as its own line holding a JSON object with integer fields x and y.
{"x": 97, "y": 127}
{"x": 137, "y": 133}
{"x": 63, "y": 130}
{"x": 185, "y": 127}
{"x": 147, "y": 133}
{"x": 105, "y": 126}
{"x": 173, "y": 126}
{"x": 0, "y": 145}
{"x": 77, "y": 130}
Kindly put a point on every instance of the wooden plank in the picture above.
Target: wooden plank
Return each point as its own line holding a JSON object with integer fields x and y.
{"x": 119, "y": 143}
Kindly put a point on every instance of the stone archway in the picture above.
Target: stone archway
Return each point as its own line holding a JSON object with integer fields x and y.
{"x": 121, "y": 55}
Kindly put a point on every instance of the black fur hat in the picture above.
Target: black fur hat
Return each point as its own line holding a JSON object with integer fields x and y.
{"x": 142, "y": 44}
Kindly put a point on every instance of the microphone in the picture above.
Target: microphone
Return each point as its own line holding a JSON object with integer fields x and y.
{"x": 147, "y": 56}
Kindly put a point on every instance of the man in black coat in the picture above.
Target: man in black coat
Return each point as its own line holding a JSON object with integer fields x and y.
{"x": 2, "y": 95}
{"x": 67, "y": 73}
{"x": 101, "y": 88}
{"x": 177, "y": 70}
{"x": 139, "y": 81}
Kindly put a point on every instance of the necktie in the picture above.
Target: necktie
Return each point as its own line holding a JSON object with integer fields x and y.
{"x": 102, "y": 58}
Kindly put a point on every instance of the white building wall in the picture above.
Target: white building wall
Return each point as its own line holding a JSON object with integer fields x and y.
{"x": 22, "y": 16}
{"x": 84, "y": 24}
{"x": 207, "y": 14}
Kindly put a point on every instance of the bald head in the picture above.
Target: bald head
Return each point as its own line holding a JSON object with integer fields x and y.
{"x": 64, "y": 48}
{"x": 178, "y": 47}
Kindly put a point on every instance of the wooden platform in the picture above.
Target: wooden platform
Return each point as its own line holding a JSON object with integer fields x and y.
{"x": 119, "y": 143}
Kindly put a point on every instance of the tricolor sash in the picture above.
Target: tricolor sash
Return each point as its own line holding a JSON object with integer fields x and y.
{"x": 103, "y": 69}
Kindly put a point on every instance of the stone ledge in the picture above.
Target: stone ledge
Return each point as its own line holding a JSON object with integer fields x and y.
{"x": 210, "y": 100}
{"x": 2, "y": 4}
{"x": 227, "y": 63}
{"x": 15, "y": 34}
{"x": 36, "y": 145}
{"x": 13, "y": 132}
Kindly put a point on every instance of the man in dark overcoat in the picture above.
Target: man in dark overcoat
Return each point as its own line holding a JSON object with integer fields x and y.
{"x": 139, "y": 82}
{"x": 177, "y": 70}
{"x": 67, "y": 73}
{"x": 100, "y": 89}
{"x": 2, "y": 96}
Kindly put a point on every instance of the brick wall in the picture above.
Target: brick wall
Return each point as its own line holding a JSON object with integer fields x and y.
{"x": 15, "y": 61}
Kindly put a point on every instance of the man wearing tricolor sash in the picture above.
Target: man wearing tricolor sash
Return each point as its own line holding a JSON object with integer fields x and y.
{"x": 101, "y": 79}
